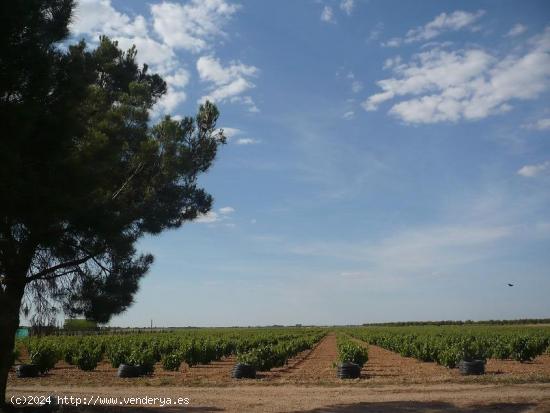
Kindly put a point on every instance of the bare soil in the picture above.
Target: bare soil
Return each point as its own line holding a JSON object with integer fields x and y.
{"x": 456, "y": 398}
{"x": 316, "y": 367}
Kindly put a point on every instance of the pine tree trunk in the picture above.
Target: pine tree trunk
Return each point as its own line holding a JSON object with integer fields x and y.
{"x": 10, "y": 303}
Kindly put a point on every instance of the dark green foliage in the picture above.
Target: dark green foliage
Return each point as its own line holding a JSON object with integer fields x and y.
{"x": 526, "y": 348}
{"x": 193, "y": 354}
{"x": 44, "y": 355}
{"x": 69, "y": 353}
{"x": 471, "y": 348}
{"x": 500, "y": 347}
{"x": 143, "y": 358}
{"x": 265, "y": 356}
{"x": 451, "y": 344}
{"x": 118, "y": 353}
{"x": 351, "y": 352}
{"x": 88, "y": 356}
{"x": 172, "y": 361}
{"x": 449, "y": 356}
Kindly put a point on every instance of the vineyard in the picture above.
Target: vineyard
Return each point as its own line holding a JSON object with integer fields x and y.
{"x": 266, "y": 349}
{"x": 449, "y": 345}
{"x": 261, "y": 348}
{"x": 285, "y": 361}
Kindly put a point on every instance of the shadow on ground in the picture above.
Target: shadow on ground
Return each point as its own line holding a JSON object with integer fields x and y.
{"x": 115, "y": 409}
{"x": 426, "y": 407}
{"x": 375, "y": 407}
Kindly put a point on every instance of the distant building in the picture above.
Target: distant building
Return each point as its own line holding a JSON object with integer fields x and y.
{"x": 22, "y": 332}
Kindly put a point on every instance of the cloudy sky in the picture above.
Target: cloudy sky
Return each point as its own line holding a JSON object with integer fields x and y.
{"x": 387, "y": 160}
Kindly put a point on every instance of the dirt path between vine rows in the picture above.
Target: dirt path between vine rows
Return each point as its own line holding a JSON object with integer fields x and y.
{"x": 454, "y": 398}
{"x": 316, "y": 367}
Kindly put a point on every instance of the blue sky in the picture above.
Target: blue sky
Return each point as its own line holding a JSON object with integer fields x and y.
{"x": 387, "y": 160}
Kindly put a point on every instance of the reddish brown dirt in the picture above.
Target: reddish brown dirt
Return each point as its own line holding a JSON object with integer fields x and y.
{"x": 315, "y": 367}
{"x": 215, "y": 373}
{"x": 540, "y": 365}
{"x": 385, "y": 366}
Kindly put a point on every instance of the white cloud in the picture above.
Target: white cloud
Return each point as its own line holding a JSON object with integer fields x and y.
{"x": 226, "y": 210}
{"x": 347, "y": 6}
{"x": 93, "y": 18}
{"x": 227, "y": 82}
{"x": 392, "y": 62}
{"x": 246, "y": 141}
{"x": 543, "y": 124}
{"x": 436, "y": 246}
{"x": 444, "y": 22}
{"x": 327, "y": 15}
{"x": 375, "y": 32}
{"x": 539, "y": 124}
{"x": 464, "y": 84}
{"x": 371, "y": 104}
{"x": 454, "y": 21}
{"x": 530, "y": 171}
{"x": 415, "y": 251}
{"x": 179, "y": 78}
{"x": 159, "y": 57}
{"x": 214, "y": 217}
{"x": 394, "y": 42}
{"x": 175, "y": 94}
{"x": 96, "y": 17}
{"x": 192, "y": 25}
{"x": 246, "y": 100}
{"x": 235, "y": 87}
{"x": 209, "y": 218}
{"x": 356, "y": 86}
{"x": 170, "y": 101}
{"x": 354, "y": 274}
{"x": 471, "y": 229}
{"x": 230, "y": 132}
{"x": 211, "y": 70}
{"x": 435, "y": 44}
{"x": 516, "y": 30}
{"x": 349, "y": 115}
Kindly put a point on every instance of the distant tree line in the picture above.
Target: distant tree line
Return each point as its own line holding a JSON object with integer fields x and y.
{"x": 460, "y": 322}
